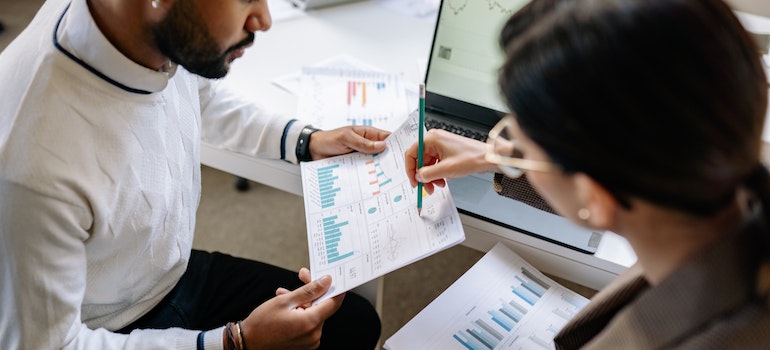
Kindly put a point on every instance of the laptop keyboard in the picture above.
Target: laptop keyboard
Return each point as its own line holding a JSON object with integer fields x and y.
{"x": 437, "y": 124}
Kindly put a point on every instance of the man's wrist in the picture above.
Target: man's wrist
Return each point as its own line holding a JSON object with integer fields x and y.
{"x": 303, "y": 144}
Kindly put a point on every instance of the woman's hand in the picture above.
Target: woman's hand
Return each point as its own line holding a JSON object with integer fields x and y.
{"x": 446, "y": 156}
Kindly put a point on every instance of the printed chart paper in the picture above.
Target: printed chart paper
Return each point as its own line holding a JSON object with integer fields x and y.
{"x": 291, "y": 82}
{"x": 361, "y": 214}
{"x": 501, "y": 302}
{"x": 331, "y": 98}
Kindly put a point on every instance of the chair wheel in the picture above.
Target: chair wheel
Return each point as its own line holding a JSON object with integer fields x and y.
{"x": 241, "y": 184}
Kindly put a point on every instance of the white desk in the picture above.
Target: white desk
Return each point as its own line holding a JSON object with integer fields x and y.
{"x": 392, "y": 42}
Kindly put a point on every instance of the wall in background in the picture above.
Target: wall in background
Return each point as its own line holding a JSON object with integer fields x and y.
{"x": 757, "y": 7}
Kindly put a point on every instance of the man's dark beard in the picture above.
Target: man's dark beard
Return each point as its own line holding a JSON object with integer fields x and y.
{"x": 182, "y": 37}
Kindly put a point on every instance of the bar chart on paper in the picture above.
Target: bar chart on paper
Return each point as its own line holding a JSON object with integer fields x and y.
{"x": 335, "y": 248}
{"x": 362, "y": 218}
{"x": 327, "y": 188}
{"x": 501, "y": 302}
{"x": 376, "y": 176}
{"x": 486, "y": 328}
{"x": 331, "y": 98}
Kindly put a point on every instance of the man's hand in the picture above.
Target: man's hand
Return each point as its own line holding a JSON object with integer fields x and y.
{"x": 288, "y": 321}
{"x": 365, "y": 139}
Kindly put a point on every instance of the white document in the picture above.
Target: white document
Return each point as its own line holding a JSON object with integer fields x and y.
{"x": 331, "y": 98}
{"x": 291, "y": 81}
{"x": 361, "y": 215}
{"x": 418, "y": 8}
{"x": 283, "y": 10}
{"x": 501, "y": 302}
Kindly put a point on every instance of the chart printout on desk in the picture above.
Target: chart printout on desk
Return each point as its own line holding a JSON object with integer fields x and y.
{"x": 502, "y": 302}
{"x": 361, "y": 214}
{"x": 332, "y": 97}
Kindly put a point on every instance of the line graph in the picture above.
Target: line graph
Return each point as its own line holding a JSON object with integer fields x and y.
{"x": 503, "y": 7}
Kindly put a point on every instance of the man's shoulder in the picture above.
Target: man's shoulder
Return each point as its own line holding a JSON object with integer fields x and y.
{"x": 40, "y": 29}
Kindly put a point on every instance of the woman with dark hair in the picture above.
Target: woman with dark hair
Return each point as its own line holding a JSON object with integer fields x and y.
{"x": 644, "y": 118}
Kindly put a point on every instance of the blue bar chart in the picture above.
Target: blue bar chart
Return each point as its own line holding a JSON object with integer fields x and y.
{"x": 500, "y": 303}
{"x": 332, "y": 229}
{"x": 525, "y": 293}
{"x": 326, "y": 185}
{"x": 334, "y": 238}
{"x": 367, "y": 120}
{"x": 332, "y": 185}
{"x": 578, "y": 303}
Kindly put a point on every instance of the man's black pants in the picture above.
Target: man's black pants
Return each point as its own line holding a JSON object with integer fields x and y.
{"x": 218, "y": 288}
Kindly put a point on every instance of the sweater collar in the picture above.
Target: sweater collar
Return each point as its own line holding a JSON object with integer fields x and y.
{"x": 78, "y": 37}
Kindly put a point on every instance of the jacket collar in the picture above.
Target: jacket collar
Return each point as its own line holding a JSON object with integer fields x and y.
{"x": 631, "y": 314}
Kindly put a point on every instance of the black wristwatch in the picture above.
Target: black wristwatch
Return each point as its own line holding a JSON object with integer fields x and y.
{"x": 303, "y": 144}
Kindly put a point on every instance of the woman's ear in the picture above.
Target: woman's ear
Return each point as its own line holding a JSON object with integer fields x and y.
{"x": 598, "y": 206}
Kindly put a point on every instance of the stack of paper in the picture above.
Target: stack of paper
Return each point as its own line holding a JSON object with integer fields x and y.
{"x": 502, "y": 302}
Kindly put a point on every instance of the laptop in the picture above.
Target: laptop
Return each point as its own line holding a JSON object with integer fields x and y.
{"x": 462, "y": 96}
{"x": 315, "y": 4}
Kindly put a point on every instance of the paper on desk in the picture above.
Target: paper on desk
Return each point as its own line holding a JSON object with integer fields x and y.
{"x": 754, "y": 23}
{"x": 290, "y": 82}
{"x": 501, "y": 302}
{"x": 416, "y": 8}
{"x": 331, "y": 98}
{"x": 766, "y": 130}
{"x": 361, "y": 215}
{"x": 282, "y": 10}
{"x": 759, "y": 25}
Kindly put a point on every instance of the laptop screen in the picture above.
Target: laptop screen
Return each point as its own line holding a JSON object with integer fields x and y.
{"x": 465, "y": 58}
{"x": 462, "y": 89}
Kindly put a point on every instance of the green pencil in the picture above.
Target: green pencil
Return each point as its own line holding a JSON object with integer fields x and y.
{"x": 420, "y": 145}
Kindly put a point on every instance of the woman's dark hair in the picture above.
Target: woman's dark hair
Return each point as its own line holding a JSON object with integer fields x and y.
{"x": 662, "y": 100}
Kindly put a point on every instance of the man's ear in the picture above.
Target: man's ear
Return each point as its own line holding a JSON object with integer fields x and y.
{"x": 600, "y": 204}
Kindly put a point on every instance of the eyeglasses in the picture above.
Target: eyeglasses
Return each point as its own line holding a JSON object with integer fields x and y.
{"x": 501, "y": 150}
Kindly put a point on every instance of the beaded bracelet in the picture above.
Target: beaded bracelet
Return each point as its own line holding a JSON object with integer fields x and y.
{"x": 233, "y": 341}
{"x": 240, "y": 335}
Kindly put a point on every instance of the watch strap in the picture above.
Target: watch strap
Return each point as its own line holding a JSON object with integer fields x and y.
{"x": 303, "y": 144}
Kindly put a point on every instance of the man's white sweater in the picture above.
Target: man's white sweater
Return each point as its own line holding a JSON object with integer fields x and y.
{"x": 100, "y": 182}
